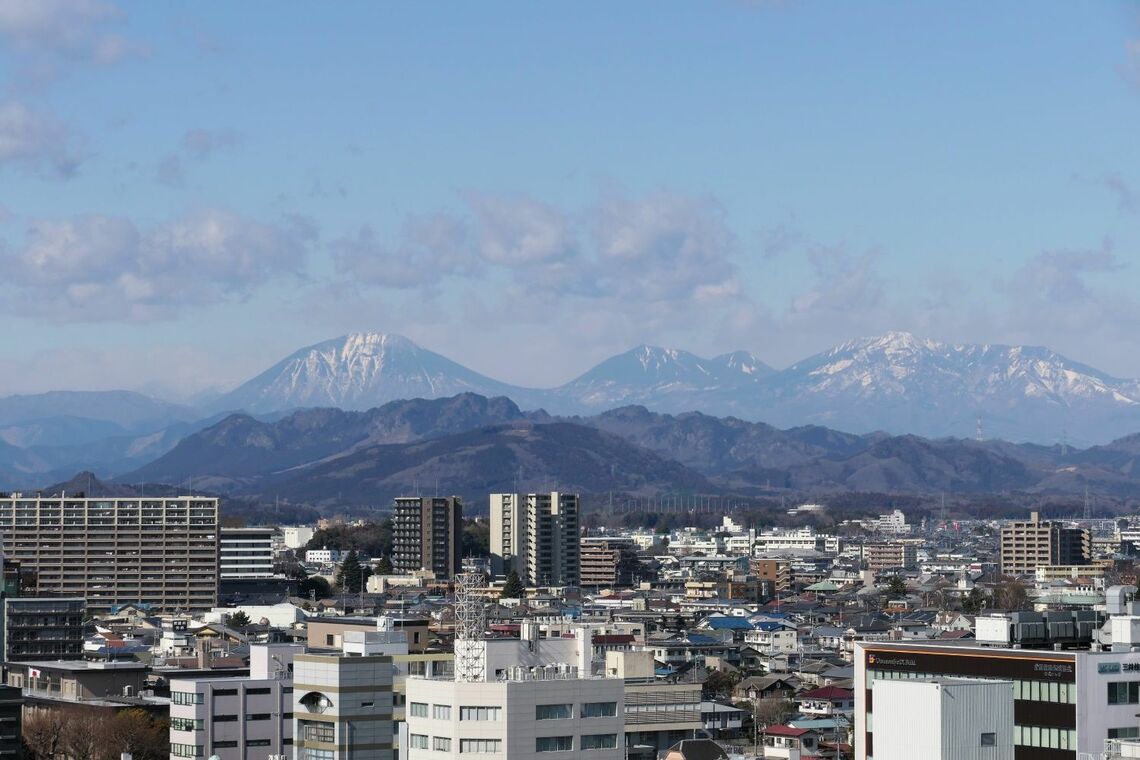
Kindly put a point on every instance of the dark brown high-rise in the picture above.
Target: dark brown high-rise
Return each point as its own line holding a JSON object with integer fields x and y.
{"x": 426, "y": 534}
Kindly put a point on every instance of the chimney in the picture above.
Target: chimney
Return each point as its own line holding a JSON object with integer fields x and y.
{"x": 203, "y": 650}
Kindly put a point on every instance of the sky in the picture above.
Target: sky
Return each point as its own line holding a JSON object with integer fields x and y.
{"x": 191, "y": 191}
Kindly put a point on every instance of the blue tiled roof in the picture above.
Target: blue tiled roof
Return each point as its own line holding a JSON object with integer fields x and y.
{"x": 727, "y": 623}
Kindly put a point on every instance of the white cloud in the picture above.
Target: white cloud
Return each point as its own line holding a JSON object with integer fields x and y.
{"x": 101, "y": 268}
{"x": 36, "y": 142}
{"x": 428, "y": 249}
{"x": 51, "y": 35}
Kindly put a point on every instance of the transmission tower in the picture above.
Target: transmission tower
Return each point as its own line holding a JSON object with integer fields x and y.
{"x": 470, "y": 625}
{"x": 978, "y": 429}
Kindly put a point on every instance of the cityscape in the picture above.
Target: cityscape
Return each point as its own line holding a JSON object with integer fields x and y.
{"x": 739, "y": 380}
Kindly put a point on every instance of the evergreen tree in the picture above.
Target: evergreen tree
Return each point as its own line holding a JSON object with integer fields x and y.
{"x": 238, "y": 620}
{"x": 351, "y": 575}
{"x": 384, "y": 566}
{"x": 513, "y": 588}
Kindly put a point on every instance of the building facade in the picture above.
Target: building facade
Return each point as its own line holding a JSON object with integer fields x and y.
{"x": 427, "y": 534}
{"x": 343, "y": 706}
{"x": 162, "y": 552}
{"x": 246, "y": 553}
{"x": 236, "y": 718}
{"x": 43, "y": 628}
{"x": 536, "y": 535}
{"x": 1027, "y": 545}
{"x": 890, "y": 555}
{"x": 607, "y": 562}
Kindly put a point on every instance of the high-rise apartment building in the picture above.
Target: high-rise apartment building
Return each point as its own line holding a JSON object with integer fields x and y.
{"x": 608, "y": 561}
{"x": 157, "y": 551}
{"x": 427, "y": 534}
{"x": 890, "y": 555}
{"x": 536, "y": 535}
{"x": 1026, "y": 545}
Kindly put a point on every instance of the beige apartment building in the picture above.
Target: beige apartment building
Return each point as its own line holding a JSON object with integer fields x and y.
{"x": 1027, "y": 545}
{"x": 157, "y": 551}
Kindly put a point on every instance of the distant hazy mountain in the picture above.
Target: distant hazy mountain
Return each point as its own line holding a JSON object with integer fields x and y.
{"x": 473, "y": 446}
{"x": 127, "y": 410}
{"x": 357, "y": 371}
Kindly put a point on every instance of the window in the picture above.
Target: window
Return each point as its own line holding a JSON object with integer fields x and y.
{"x": 1128, "y": 732}
{"x": 225, "y": 693}
{"x": 989, "y": 740}
{"x": 441, "y": 743}
{"x": 599, "y": 741}
{"x": 186, "y": 698}
{"x": 330, "y": 640}
{"x": 481, "y": 746}
{"x": 257, "y": 716}
{"x": 418, "y": 741}
{"x": 224, "y": 718}
{"x": 554, "y": 744}
{"x": 599, "y": 709}
{"x": 418, "y": 709}
{"x": 257, "y": 742}
{"x": 553, "y": 712}
{"x": 441, "y": 712}
{"x": 1124, "y": 692}
{"x": 308, "y": 753}
{"x": 367, "y": 704}
{"x": 315, "y": 731}
{"x": 186, "y": 750}
{"x": 224, "y": 744}
{"x": 479, "y": 713}
{"x": 186, "y": 724}
{"x": 257, "y": 691}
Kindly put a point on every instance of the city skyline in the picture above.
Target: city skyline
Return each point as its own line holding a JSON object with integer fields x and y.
{"x": 531, "y": 190}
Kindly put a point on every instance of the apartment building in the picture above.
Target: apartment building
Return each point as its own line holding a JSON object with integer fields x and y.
{"x": 162, "y": 552}
{"x": 427, "y": 534}
{"x": 43, "y": 628}
{"x": 608, "y": 561}
{"x": 890, "y": 555}
{"x": 777, "y": 573}
{"x": 536, "y": 535}
{"x": 246, "y": 553}
{"x": 1026, "y": 545}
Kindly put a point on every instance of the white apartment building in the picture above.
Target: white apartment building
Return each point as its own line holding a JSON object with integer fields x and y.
{"x": 236, "y": 718}
{"x": 802, "y": 539}
{"x": 537, "y": 536}
{"x": 246, "y": 553}
{"x": 772, "y": 638}
{"x": 894, "y": 523}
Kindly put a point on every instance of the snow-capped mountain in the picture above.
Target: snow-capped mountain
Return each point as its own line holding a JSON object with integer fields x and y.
{"x": 358, "y": 371}
{"x": 660, "y": 378}
{"x": 895, "y": 382}
{"x": 898, "y": 382}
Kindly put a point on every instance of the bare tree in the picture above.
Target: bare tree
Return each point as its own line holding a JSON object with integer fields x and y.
{"x": 42, "y": 729}
{"x": 84, "y": 735}
{"x": 772, "y": 711}
{"x": 134, "y": 731}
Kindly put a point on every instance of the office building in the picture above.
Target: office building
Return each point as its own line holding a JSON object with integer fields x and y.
{"x": 161, "y": 552}
{"x": 1026, "y": 545}
{"x": 342, "y": 702}
{"x": 236, "y": 718}
{"x": 608, "y": 562}
{"x": 43, "y": 628}
{"x": 246, "y": 553}
{"x": 427, "y": 534}
{"x": 536, "y": 535}
{"x": 517, "y": 697}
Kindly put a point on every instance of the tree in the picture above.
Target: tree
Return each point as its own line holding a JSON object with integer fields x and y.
{"x": 135, "y": 732}
{"x": 896, "y": 587}
{"x": 1010, "y": 594}
{"x": 513, "y": 588}
{"x": 42, "y": 730}
{"x": 476, "y": 540}
{"x": 238, "y": 620}
{"x": 84, "y": 734}
{"x": 314, "y": 583}
{"x": 350, "y": 577}
{"x": 973, "y": 602}
{"x": 772, "y": 711}
{"x": 384, "y": 566}
{"x": 719, "y": 684}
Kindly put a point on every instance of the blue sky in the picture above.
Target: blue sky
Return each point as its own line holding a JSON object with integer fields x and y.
{"x": 190, "y": 191}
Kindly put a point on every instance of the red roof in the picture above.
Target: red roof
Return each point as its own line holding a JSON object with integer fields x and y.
{"x": 827, "y": 692}
{"x": 613, "y": 638}
{"x": 783, "y": 730}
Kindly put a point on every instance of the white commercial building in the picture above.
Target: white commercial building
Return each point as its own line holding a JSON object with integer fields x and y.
{"x": 325, "y": 556}
{"x": 236, "y": 718}
{"x": 943, "y": 719}
{"x": 246, "y": 553}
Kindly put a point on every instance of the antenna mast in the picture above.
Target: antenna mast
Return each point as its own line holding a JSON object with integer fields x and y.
{"x": 470, "y": 625}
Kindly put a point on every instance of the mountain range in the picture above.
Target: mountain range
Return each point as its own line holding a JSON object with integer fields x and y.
{"x": 891, "y": 384}
{"x": 472, "y": 445}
